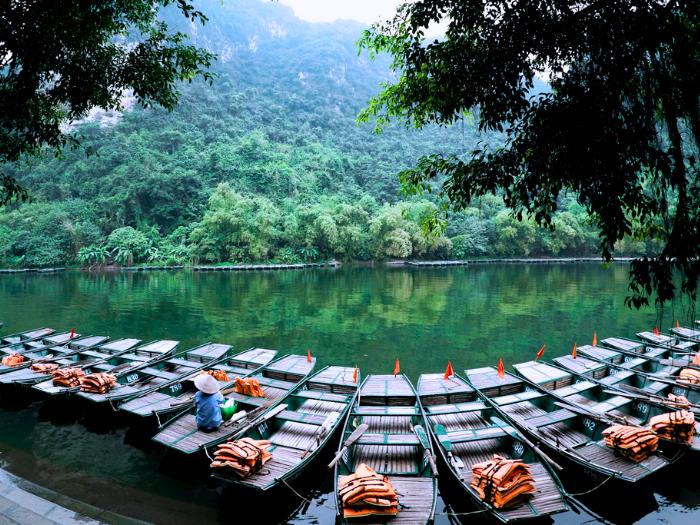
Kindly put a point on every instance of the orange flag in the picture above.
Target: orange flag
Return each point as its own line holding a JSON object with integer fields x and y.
{"x": 678, "y": 325}
{"x": 449, "y": 371}
{"x": 573, "y": 352}
{"x": 656, "y": 330}
{"x": 539, "y": 353}
{"x": 308, "y": 355}
{"x": 501, "y": 368}
{"x": 595, "y": 338}
{"x": 354, "y": 375}
{"x": 397, "y": 367}
{"x": 72, "y": 333}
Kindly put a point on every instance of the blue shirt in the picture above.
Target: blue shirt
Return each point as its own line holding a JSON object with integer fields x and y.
{"x": 208, "y": 411}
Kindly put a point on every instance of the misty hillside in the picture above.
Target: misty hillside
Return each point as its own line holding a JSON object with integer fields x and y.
{"x": 268, "y": 162}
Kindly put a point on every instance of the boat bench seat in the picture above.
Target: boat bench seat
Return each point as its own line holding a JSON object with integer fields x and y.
{"x": 159, "y": 373}
{"x": 388, "y": 439}
{"x": 324, "y": 396}
{"x": 256, "y": 401}
{"x": 611, "y": 404}
{"x": 656, "y": 387}
{"x": 517, "y": 398}
{"x": 385, "y": 411}
{"x": 557, "y": 416}
{"x": 183, "y": 362}
{"x": 277, "y": 383}
{"x": 616, "y": 377}
{"x": 576, "y": 388}
{"x": 464, "y": 436}
{"x": 302, "y": 417}
{"x": 456, "y": 408}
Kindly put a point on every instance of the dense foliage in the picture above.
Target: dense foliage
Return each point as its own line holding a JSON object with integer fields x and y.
{"x": 61, "y": 58}
{"x": 266, "y": 164}
{"x": 620, "y": 126}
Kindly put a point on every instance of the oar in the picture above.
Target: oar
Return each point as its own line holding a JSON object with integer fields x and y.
{"x": 641, "y": 394}
{"x": 321, "y": 431}
{"x": 419, "y": 431}
{"x": 611, "y": 418}
{"x": 252, "y": 413}
{"x": 444, "y": 439}
{"x": 352, "y": 438}
{"x": 521, "y": 435}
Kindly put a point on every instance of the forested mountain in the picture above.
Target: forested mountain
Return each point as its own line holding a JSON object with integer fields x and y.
{"x": 267, "y": 163}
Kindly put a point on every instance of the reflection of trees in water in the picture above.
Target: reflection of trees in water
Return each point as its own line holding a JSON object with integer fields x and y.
{"x": 364, "y": 316}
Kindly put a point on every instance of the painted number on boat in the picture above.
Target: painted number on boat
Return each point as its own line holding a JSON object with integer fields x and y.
{"x": 678, "y": 391}
{"x": 175, "y": 388}
{"x": 518, "y": 449}
{"x": 262, "y": 428}
{"x": 131, "y": 378}
{"x": 642, "y": 408}
{"x": 589, "y": 424}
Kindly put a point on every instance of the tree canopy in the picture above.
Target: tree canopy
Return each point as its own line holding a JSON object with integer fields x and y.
{"x": 620, "y": 127}
{"x": 61, "y": 58}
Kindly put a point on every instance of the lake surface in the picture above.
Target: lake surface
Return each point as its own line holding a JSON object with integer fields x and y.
{"x": 366, "y": 317}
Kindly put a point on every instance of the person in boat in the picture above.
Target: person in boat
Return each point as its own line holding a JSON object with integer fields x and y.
{"x": 207, "y": 403}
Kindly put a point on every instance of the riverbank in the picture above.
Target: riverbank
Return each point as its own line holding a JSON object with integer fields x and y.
{"x": 331, "y": 264}
{"x": 25, "y": 503}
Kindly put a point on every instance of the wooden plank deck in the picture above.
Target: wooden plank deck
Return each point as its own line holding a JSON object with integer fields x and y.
{"x": 621, "y": 343}
{"x": 434, "y": 389}
{"x": 384, "y": 390}
{"x": 290, "y": 368}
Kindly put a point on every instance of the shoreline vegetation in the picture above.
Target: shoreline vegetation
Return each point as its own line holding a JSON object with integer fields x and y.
{"x": 262, "y": 266}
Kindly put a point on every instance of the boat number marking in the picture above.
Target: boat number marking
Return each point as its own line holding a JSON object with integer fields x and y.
{"x": 175, "y": 388}
{"x": 131, "y": 378}
{"x": 589, "y": 424}
{"x": 678, "y": 390}
{"x": 642, "y": 408}
{"x": 262, "y": 428}
{"x": 518, "y": 449}
{"x": 628, "y": 359}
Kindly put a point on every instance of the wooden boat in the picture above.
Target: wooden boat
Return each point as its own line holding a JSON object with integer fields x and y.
{"x": 276, "y": 379}
{"x": 87, "y": 351}
{"x": 26, "y": 345}
{"x": 310, "y": 416}
{"x": 647, "y": 359}
{"x": 667, "y": 341}
{"x": 150, "y": 374}
{"x": 568, "y": 433}
{"x": 593, "y": 394}
{"x": 117, "y": 364}
{"x": 689, "y": 334}
{"x": 467, "y": 431}
{"x": 178, "y": 395}
{"x": 29, "y": 335}
{"x": 395, "y": 443}
{"x": 660, "y": 375}
{"x": 44, "y": 348}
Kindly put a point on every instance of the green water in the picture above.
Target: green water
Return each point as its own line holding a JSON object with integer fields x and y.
{"x": 352, "y": 316}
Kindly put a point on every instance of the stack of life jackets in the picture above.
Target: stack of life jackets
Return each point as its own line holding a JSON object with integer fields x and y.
{"x": 242, "y": 457}
{"x": 634, "y": 443}
{"x": 99, "y": 383}
{"x": 249, "y": 386}
{"x": 67, "y": 377}
{"x": 675, "y": 426}
{"x": 690, "y": 376}
{"x": 44, "y": 367}
{"x": 14, "y": 359}
{"x": 502, "y": 482}
{"x": 219, "y": 375}
{"x": 681, "y": 401}
{"x": 366, "y": 493}
{"x": 696, "y": 359}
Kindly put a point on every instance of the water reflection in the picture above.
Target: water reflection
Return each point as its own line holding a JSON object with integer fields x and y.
{"x": 362, "y": 316}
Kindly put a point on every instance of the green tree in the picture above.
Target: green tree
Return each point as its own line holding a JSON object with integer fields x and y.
{"x": 61, "y": 58}
{"x": 620, "y": 126}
